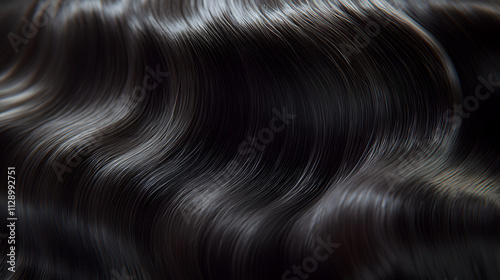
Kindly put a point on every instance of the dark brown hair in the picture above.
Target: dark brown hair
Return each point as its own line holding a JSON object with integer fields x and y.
{"x": 251, "y": 139}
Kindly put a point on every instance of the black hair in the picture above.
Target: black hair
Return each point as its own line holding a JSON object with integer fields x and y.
{"x": 250, "y": 139}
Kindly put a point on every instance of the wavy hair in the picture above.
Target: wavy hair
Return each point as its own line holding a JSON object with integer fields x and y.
{"x": 250, "y": 139}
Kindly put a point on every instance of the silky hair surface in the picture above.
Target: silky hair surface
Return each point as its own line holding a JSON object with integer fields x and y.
{"x": 228, "y": 139}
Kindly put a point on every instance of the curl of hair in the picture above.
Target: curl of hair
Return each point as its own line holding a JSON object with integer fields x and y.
{"x": 252, "y": 139}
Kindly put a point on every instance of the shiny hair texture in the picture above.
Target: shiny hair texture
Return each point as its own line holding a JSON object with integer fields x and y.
{"x": 251, "y": 139}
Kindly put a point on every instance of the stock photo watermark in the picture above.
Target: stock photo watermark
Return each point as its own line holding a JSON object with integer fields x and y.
{"x": 462, "y": 111}
{"x": 30, "y": 29}
{"x": 76, "y": 159}
{"x": 309, "y": 265}
{"x": 471, "y": 103}
{"x": 151, "y": 81}
{"x": 410, "y": 162}
{"x": 363, "y": 38}
{"x": 250, "y": 147}
{"x": 123, "y": 275}
{"x": 254, "y": 145}
{"x": 11, "y": 218}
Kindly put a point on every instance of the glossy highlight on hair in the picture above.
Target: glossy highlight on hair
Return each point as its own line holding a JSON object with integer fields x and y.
{"x": 251, "y": 139}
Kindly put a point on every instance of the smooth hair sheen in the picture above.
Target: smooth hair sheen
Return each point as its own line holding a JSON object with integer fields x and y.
{"x": 251, "y": 139}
